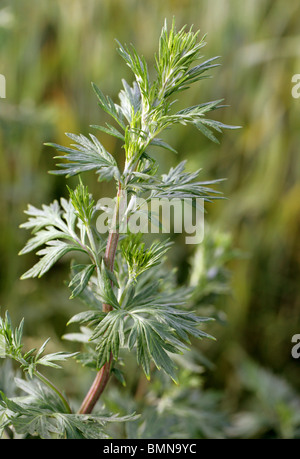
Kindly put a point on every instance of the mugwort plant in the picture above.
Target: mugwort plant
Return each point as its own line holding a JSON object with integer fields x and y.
{"x": 128, "y": 304}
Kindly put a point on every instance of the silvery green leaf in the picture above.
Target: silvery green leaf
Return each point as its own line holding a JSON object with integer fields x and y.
{"x": 87, "y": 154}
{"x": 50, "y": 255}
{"x": 81, "y": 279}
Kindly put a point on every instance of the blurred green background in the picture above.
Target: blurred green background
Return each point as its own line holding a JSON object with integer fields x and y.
{"x": 51, "y": 50}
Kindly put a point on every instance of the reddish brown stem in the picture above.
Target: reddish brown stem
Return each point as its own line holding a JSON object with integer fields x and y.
{"x": 103, "y": 374}
{"x": 96, "y": 389}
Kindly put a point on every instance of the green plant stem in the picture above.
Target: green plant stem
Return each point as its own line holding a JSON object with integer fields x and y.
{"x": 54, "y": 388}
{"x": 103, "y": 374}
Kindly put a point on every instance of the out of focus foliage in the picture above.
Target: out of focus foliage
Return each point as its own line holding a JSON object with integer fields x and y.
{"x": 247, "y": 275}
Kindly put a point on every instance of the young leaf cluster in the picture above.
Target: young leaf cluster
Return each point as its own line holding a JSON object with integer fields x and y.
{"x": 12, "y": 347}
{"x": 144, "y": 110}
{"x": 138, "y": 258}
